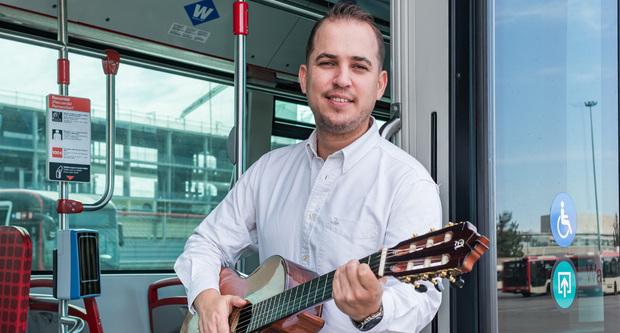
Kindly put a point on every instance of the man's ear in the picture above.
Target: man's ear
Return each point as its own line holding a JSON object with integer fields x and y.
{"x": 381, "y": 84}
{"x": 303, "y": 70}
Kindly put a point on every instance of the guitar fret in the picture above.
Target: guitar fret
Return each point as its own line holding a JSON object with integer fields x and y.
{"x": 279, "y": 307}
{"x": 260, "y": 315}
{"x": 316, "y": 290}
{"x": 312, "y": 288}
{"x": 297, "y": 289}
{"x": 264, "y": 313}
{"x": 254, "y": 309}
{"x": 300, "y": 297}
{"x": 325, "y": 285}
{"x": 306, "y": 297}
{"x": 284, "y": 302}
{"x": 268, "y": 310}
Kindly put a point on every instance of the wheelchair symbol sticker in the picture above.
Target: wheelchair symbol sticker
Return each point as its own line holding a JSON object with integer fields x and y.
{"x": 563, "y": 220}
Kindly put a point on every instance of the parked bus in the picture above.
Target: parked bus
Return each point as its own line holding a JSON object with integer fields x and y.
{"x": 589, "y": 274}
{"x": 36, "y": 211}
{"x": 611, "y": 271}
{"x": 529, "y": 275}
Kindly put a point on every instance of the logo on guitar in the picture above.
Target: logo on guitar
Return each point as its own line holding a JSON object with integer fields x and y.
{"x": 459, "y": 244}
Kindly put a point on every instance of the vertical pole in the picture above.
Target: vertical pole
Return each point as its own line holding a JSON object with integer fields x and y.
{"x": 590, "y": 104}
{"x": 240, "y": 30}
{"x": 63, "y": 89}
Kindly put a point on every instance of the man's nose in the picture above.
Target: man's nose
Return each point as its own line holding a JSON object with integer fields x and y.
{"x": 342, "y": 77}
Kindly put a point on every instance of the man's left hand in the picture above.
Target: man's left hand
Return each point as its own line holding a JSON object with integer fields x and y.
{"x": 356, "y": 290}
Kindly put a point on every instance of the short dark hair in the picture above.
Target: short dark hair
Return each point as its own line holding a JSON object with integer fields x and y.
{"x": 347, "y": 10}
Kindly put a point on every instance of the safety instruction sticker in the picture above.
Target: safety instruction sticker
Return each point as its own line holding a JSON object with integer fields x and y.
{"x": 564, "y": 283}
{"x": 68, "y": 138}
{"x": 563, "y": 219}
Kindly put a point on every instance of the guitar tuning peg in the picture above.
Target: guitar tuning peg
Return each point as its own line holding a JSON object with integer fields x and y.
{"x": 451, "y": 224}
{"x": 433, "y": 229}
{"x": 420, "y": 287}
{"x": 414, "y": 236}
{"x": 457, "y": 282}
{"x": 437, "y": 282}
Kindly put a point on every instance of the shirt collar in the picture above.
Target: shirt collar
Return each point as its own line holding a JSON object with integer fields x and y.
{"x": 354, "y": 151}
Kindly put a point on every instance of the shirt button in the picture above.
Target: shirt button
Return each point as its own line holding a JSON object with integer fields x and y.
{"x": 305, "y": 258}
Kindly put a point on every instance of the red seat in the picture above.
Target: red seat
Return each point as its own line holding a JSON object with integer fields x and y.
{"x": 90, "y": 312}
{"x": 15, "y": 268}
{"x": 156, "y": 302}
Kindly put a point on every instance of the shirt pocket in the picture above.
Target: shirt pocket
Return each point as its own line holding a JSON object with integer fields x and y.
{"x": 352, "y": 229}
{"x": 345, "y": 239}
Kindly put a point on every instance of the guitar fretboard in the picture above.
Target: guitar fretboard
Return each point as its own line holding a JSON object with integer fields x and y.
{"x": 293, "y": 300}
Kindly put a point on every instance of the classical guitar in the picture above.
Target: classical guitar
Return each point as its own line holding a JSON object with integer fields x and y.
{"x": 285, "y": 297}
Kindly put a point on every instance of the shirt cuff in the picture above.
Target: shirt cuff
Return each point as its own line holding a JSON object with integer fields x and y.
{"x": 199, "y": 285}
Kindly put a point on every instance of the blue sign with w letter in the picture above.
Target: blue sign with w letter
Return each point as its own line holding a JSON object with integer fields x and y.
{"x": 201, "y": 11}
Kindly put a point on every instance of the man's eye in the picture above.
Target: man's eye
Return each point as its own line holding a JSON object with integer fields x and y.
{"x": 362, "y": 67}
{"x": 327, "y": 63}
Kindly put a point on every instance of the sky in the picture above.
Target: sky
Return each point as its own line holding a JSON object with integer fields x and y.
{"x": 551, "y": 57}
{"x": 142, "y": 94}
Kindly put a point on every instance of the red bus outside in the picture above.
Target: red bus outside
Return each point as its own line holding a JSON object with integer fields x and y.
{"x": 530, "y": 275}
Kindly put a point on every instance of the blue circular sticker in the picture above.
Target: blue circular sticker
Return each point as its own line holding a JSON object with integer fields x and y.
{"x": 563, "y": 220}
{"x": 564, "y": 283}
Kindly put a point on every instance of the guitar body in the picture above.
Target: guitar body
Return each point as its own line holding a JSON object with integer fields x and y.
{"x": 273, "y": 277}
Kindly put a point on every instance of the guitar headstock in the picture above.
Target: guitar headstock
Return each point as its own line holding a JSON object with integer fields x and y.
{"x": 445, "y": 253}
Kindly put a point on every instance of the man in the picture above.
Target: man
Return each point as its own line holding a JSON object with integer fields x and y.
{"x": 340, "y": 195}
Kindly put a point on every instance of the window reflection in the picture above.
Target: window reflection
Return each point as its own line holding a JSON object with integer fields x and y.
{"x": 171, "y": 162}
{"x": 556, "y": 130}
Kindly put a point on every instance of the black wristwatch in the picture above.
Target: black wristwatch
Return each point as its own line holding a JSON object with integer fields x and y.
{"x": 370, "y": 321}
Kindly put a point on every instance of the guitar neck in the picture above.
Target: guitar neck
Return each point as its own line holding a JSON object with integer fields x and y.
{"x": 296, "y": 299}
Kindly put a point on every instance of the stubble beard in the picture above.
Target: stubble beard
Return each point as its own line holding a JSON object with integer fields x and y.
{"x": 324, "y": 124}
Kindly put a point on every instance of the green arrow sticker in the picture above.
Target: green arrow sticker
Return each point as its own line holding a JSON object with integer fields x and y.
{"x": 564, "y": 283}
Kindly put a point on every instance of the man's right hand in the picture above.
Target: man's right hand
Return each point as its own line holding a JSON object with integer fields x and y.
{"x": 213, "y": 310}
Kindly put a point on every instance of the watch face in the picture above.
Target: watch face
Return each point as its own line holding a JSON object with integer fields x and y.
{"x": 370, "y": 324}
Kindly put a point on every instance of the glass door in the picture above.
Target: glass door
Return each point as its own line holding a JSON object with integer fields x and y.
{"x": 556, "y": 165}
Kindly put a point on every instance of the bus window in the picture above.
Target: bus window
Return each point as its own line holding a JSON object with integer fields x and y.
{"x": 611, "y": 272}
{"x": 36, "y": 212}
{"x": 589, "y": 274}
{"x": 5, "y": 212}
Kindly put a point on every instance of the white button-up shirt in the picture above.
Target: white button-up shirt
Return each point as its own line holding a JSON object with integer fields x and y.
{"x": 321, "y": 214}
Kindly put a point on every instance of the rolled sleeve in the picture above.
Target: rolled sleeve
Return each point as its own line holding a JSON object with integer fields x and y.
{"x": 416, "y": 209}
{"x": 219, "y": 239}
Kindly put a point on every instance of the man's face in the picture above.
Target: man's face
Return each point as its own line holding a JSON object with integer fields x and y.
{"x": 342, "y": 79}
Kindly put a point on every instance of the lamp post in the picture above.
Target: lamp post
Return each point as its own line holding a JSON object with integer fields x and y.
{"x": 589, "y": 105}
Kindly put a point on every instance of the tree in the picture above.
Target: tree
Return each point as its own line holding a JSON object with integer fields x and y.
{"x": 509, "y": 239}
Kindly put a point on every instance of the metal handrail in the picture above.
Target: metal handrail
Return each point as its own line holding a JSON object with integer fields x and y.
{"x": 390, "y": 128}
{"x": 109, "y": 61}
{"x": 78, "y": 323}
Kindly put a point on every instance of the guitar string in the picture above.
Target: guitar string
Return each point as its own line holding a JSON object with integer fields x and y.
{"x": 245, "y": 322}
{"x": 303, "y": 298}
